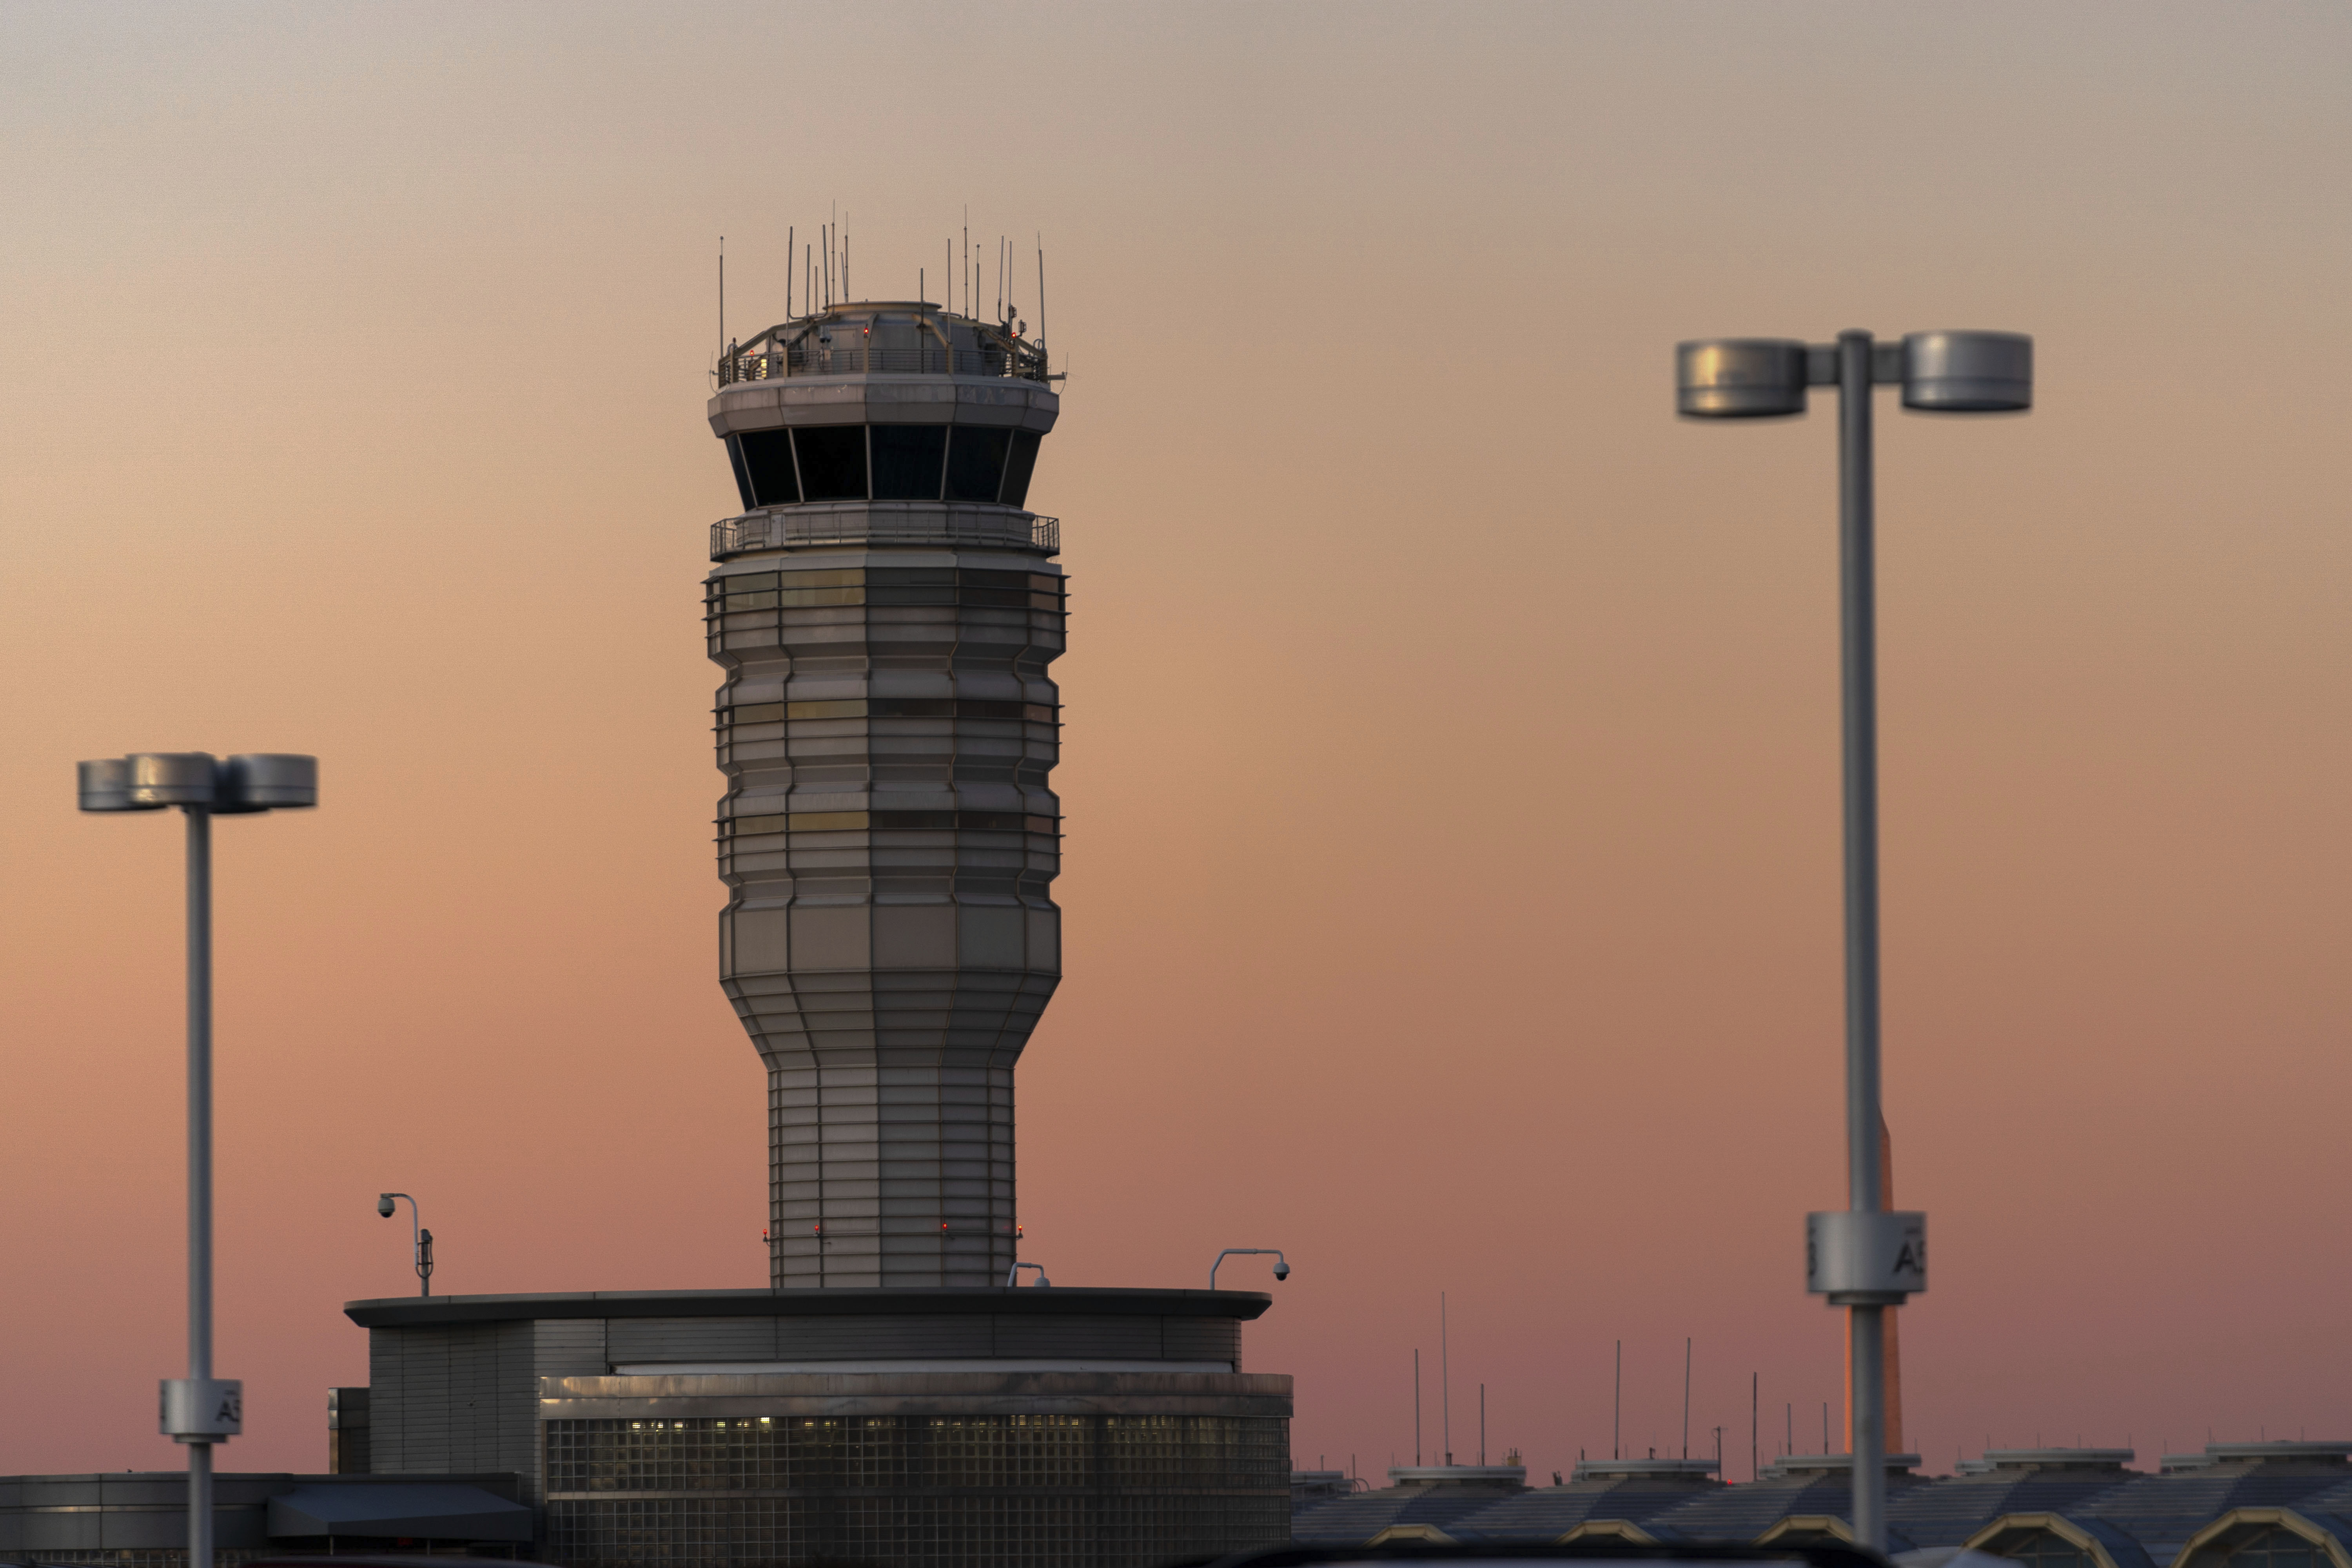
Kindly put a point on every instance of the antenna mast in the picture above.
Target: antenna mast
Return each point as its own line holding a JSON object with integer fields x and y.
{"x": 789, "y": 248}
{"x": 722, "y": 296}
{"x": 1444, "y": 1386}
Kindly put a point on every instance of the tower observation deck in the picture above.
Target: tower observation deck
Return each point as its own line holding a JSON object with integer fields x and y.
{"x": 886, "y": 610}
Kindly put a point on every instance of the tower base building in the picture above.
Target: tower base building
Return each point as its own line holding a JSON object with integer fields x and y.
{"x": 987, "y": 1429}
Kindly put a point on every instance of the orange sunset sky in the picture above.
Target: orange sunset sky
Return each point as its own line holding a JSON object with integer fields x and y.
{"x": 1451, "y": 872}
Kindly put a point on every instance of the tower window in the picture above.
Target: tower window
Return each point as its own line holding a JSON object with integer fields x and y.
{"x": 907, "y": 461}
{"x": 976, "y": 463}
{"x": 767, "y": 467}
{"x": 742, "y": 474}
{"x": 832, "y": 461}
{"x": 1022, "y": 463}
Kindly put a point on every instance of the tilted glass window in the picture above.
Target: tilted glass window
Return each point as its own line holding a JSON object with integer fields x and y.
{"x": 768, "y": 467}
{"x": 976, "y": 463}
{"x": 907, "y": 461}
{"x": 742, "y": 474}
{"x": 832, "y": 461}
{"x": 1019, "y": 466}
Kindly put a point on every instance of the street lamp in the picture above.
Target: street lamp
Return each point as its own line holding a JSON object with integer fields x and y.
{"x": 1861, "y": 1258}
{"x": 199, "y": 1410}
{"x": 420, "y": 1240}
{"x": 1281, "y": 1264}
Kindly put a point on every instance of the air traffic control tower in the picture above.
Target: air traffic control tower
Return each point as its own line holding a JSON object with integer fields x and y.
{"x": 888, "y": 612}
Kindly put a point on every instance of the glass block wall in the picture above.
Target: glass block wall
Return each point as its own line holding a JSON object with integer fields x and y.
{"x": 993, "y": 1491}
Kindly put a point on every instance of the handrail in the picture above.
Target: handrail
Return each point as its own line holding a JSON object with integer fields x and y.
{"x": 861, "y": 359}
{"x": 807, "y": 346}
{"x": 786, "y": 528}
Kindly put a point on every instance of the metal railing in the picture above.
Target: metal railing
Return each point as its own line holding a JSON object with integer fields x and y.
{"x": 860, "y": 358}
{"x": 788, "y": 528}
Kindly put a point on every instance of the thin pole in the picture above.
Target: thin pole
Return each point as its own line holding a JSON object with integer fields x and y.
{"x": 1617, "y": 1408}
{"x": 1416, "y": 1408}
{"x": 1857, "y": 574}
{"x": 1482, "y": 1425}
{"x": 1686, "y": 1371}
{"x": 1444, "y": 1386}
{"x": 789, "y": 247}
{"x": 722, "y": 294}
{"x": 200, "y": 1166}
{"x": 1754, "y": 1420}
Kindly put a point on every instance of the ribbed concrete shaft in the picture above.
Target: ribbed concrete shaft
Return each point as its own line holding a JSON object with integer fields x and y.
{"x": 887, "y": 728}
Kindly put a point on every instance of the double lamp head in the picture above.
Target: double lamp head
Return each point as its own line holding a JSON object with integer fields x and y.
{"x": 1939, "y": 373}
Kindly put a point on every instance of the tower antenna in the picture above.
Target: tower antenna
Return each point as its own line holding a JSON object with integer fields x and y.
{"x": 1445, "y": 1387}
{"x": 789, "y": 248}
{"x": 1686, "y": 1369}
{"x": 1041, "y": 285}
{"x": 722, "y": 296}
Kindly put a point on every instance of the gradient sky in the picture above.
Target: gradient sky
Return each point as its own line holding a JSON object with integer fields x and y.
{"x": 1452, "y": 877}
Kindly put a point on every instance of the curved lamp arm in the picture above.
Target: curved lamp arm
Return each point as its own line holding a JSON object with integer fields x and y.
{"x": 1281, "y": 1264}
{"x": 385, "y": 1207}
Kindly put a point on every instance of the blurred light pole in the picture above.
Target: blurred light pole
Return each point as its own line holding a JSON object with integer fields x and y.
{"x": 199, "y": 1409}
{"x": 419, "y": 1239}
{"x": 1861, "y": 1258}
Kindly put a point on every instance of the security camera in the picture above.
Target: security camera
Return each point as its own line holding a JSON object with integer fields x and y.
{"x": 1282, "y": 1271}
{"x": 384, "y": 1205}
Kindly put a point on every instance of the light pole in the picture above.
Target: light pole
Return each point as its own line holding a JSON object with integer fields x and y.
{"x": 1281, "y": 1264}
{"x": 199, "y": 1410}
{"x": 1861, "y": 1258}
{"x": 420, "y": 1240}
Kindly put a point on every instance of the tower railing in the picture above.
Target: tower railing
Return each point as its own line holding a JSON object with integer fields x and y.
{"x": 861, "y": 358}
{"x": 869, "y": 523}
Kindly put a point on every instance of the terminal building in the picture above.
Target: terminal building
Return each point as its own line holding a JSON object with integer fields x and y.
{"x": 2235, "y": 1505}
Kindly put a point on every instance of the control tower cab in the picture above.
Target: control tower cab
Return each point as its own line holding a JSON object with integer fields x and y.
{"x": 887, "y": 610}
